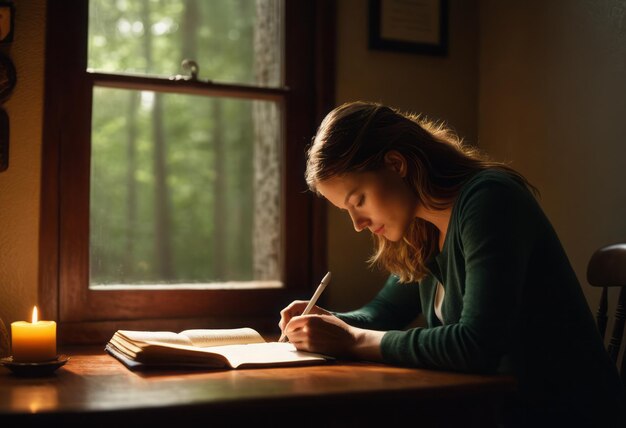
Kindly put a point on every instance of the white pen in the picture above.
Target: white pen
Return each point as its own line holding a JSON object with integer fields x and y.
{"x": 316, "y": 295}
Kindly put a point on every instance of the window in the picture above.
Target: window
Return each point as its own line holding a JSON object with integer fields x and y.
{"x": 172, "y": 180}
{"x": 185, "y": 189}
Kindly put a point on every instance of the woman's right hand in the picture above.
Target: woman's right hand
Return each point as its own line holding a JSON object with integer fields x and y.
{"x": 296, "y": 308}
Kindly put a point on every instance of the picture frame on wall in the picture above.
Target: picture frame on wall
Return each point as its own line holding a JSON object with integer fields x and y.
{"x": 4, "y": 144}
{"x": 412, "y": 26}
{"x": 8, "y": 77}
{"x": 7, "y": 18}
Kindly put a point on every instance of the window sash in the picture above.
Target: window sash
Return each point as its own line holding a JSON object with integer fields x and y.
{"x": 86, "y": 315}
{"x": 263, "y": 263}
{"x": 190, "y": 87}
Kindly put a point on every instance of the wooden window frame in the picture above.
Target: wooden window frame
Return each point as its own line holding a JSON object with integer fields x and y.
{"x": 91, "y": 316}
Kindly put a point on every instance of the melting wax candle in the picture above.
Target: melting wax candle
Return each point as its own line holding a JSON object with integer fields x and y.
{"x": 34, "y": 341}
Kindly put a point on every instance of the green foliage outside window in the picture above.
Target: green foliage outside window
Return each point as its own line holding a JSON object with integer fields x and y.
{"x": 171, "y": 175}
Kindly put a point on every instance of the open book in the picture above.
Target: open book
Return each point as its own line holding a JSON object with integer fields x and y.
{"x": 205, "y": 348}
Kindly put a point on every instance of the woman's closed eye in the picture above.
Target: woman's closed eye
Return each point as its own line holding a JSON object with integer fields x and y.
{"x": 361, "y": 201}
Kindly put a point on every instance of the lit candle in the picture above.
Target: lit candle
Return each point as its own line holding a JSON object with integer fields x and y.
{"x": 34, "y": 342}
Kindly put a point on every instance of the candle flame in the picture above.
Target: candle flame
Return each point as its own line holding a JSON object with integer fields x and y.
{"x": 34, "y": 314}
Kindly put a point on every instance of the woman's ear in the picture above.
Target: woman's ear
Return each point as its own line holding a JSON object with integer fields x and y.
{"x": 396, "y": 162}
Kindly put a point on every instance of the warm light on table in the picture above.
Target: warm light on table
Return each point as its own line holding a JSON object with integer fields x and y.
{"x": 34, "y": 341}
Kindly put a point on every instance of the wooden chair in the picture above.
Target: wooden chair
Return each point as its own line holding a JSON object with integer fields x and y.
{"x": 607, "y": 268}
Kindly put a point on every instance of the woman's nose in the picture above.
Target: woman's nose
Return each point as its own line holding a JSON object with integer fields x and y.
{"x": 358, "y": 221}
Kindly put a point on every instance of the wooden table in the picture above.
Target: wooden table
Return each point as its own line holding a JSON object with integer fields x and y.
{"x": 94, "y": 389}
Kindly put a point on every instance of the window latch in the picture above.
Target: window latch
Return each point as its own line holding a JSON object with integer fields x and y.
{"x": 191, "y": 68}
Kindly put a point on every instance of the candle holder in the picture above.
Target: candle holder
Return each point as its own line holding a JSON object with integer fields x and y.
{"x": 26, "y": 369}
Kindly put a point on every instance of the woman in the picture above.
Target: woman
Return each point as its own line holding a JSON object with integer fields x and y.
{"x": 467, "y": 246}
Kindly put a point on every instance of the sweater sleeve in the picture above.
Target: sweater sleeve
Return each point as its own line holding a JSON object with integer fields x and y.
{"x": 394, "y": 307}
{"x": 496, "y": 227}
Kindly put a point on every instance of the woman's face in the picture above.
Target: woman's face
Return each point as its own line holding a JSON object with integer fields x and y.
{"x": 380, "y": 201}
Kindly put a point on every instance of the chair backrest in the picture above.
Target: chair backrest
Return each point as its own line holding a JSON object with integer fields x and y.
{"x": 607, "y": 268}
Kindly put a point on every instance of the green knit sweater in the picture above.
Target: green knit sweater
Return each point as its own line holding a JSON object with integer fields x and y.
{"x": 512, "y": 305}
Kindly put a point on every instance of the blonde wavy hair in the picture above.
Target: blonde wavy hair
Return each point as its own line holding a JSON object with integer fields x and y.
{"x": 355, "y": 137}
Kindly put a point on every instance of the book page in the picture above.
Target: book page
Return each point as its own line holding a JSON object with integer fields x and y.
{"x": 129, "y": 348}
{"x": 166, "y": 337}
{"x": 266, "y": 354}
{"x": 218, "y": 337}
